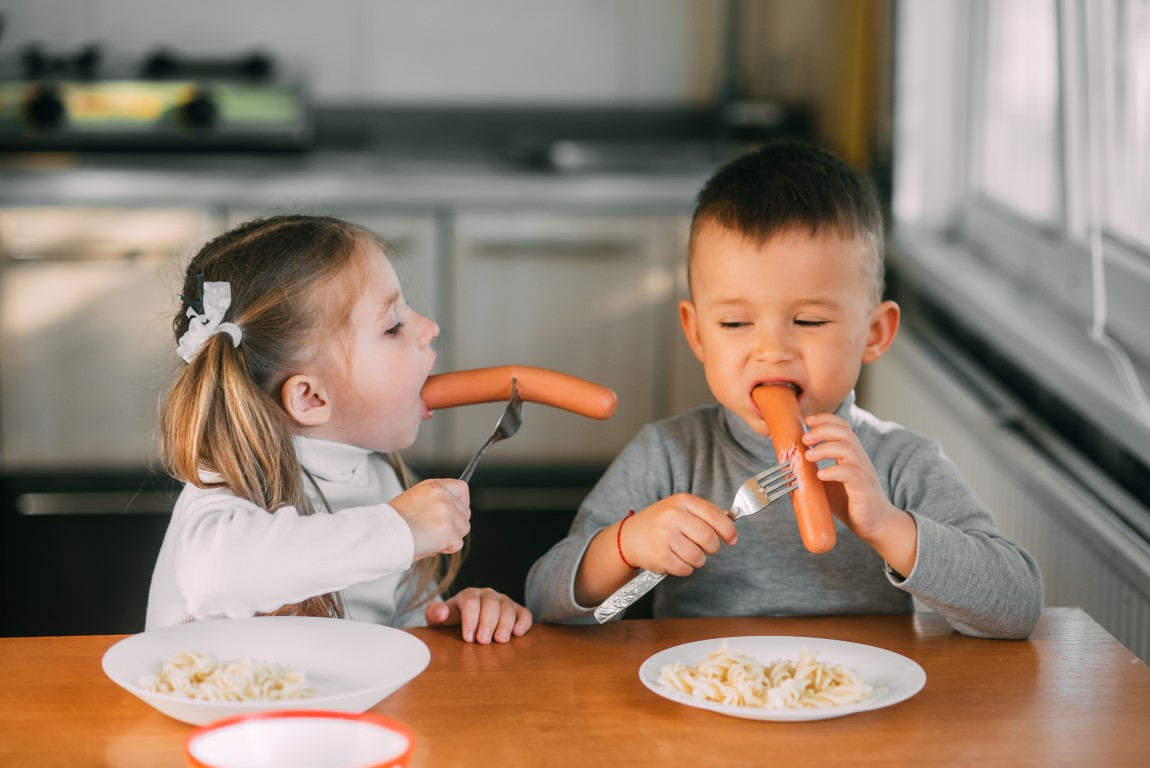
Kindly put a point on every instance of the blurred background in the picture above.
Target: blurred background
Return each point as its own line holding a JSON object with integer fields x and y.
{"x": 535, "y": 165}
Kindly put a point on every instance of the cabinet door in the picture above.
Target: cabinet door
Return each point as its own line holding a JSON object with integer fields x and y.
{"x": 87, "y": 297}
{"x": 688, "y": 385}
{"x": 585, "y": 295}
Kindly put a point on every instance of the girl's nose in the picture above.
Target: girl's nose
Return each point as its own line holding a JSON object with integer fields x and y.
{"x": 428, "y": 330}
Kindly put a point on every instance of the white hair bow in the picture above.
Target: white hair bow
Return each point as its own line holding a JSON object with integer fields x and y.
{"x": 216, "y": 298}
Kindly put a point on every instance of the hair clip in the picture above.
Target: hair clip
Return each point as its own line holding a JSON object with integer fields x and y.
{"x": 215, "y": 298}
{"x": 197, "y": 304}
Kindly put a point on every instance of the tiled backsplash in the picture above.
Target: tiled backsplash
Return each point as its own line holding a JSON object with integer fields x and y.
{"x": 633, "y": 52}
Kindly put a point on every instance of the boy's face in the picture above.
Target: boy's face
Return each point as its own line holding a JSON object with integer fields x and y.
{"x": 793, "y": 310}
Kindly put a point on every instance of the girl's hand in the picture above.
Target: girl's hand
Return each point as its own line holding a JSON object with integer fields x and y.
{"x": 869, "y": 514}
{"x": 439, "y": 514}
{"x": 675, "y": 535}
{"x": 483, "y": 614}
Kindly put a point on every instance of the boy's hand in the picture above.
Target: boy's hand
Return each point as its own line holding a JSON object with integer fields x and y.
{"x": 676, "y": 534}
{"x": 869, "y": 514}
{"x": 483, "y": 614}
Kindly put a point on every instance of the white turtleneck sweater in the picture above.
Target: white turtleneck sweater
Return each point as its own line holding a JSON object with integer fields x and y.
{"x": 223, "y": 556}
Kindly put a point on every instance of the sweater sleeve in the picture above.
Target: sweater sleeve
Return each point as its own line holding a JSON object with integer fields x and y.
{"x": 232, "y": 558}
{"x": 638, "y": 477}
{"x": 984, "y": 584}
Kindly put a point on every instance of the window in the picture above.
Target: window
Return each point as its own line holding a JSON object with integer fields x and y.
{"x": 1125, "y": 34}
{"x": 1017, "y": 136}
{"x": 1021, "y": 202}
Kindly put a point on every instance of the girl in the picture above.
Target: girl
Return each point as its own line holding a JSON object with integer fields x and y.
{"x": 303, "y": 377}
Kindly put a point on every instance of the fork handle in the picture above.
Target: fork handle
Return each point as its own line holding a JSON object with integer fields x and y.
{"x": 627, "y": 594}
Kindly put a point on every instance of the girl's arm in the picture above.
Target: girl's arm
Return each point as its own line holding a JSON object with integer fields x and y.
{"x": 232, "y": 558}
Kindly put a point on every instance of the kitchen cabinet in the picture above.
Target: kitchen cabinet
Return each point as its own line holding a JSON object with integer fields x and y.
{"x": 591, "y": 295}
{"x": 86, "y": 350}
{"x": 86, "y": 300}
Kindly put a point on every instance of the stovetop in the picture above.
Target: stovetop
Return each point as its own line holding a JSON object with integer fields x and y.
{"x": 74, "y": 101}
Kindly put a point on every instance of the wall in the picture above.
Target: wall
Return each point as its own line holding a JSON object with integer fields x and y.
{"x": 458, "y": 51}
{"x": 829, "y": 55}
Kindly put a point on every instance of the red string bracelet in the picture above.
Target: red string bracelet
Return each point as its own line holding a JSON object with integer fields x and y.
{"x": 619, "y": 540}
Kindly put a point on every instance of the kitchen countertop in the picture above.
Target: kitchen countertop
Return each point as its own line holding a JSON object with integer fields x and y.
{"x": 650, "y": 163}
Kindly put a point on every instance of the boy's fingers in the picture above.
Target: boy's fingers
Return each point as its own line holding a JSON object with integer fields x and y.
{"x": 717, "y": 520}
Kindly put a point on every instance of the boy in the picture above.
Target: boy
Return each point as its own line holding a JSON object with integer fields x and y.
{"x": 786, "y": 279}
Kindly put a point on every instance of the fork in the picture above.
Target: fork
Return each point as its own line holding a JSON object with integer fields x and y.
{"x": 753, "y": 496}
{"x": 507, "y": 426}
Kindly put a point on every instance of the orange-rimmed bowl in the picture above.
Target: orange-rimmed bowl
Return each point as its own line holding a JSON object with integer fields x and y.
{"x": 301, "y": 738}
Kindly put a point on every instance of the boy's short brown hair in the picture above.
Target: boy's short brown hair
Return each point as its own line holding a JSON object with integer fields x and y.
{"x": 790, "y": 187}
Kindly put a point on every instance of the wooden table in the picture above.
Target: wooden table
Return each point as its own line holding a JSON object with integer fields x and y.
{"x": 1070, "y": 695}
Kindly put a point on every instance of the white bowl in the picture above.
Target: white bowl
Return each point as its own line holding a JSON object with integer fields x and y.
{"x": 300, "y": 739}
{"x": 352, "y": 665}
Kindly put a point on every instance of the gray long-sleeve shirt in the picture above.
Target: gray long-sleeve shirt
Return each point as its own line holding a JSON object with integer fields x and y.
{"x": 984, "y": 584}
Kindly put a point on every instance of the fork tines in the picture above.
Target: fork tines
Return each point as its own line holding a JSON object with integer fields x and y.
{"x": 777, "y": 481}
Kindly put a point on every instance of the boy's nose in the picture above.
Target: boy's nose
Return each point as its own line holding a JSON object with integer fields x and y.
{"x": 773, "y": 346}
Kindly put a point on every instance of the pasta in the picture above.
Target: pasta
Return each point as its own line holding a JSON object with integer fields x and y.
{"x": 200, "y": 676}
{"x": 729, "y": 677}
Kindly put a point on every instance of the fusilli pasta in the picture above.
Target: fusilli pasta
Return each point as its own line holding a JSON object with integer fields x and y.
{"x": 729, "y": 677}
{"x": 200, "y": 676}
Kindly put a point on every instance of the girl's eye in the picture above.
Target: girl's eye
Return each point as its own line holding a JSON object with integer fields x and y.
{"x": 811, "y": 323}
{"x": 394, "y": 330}
{"x": 733, "y": 324}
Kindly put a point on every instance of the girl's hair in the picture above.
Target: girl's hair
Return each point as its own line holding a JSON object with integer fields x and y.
{"x": 294, "y": 280}
{"x": 787, "y": 186}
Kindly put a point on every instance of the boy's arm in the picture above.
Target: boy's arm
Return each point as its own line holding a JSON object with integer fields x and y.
{"x": 674, "y": 535}
{"x": 983, "y": 583}
{"x": 896, "y": 540}
{"x": 601, "y": 571}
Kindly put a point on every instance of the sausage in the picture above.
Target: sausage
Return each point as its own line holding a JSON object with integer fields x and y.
{"x": 537, "y": 385}
{"x": 780, "y": 408}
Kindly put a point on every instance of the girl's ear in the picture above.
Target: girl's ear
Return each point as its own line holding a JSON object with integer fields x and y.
{"x": 306, "y": 401}
{"x": 690, "y": 322}
{"x": 883, "y": 329}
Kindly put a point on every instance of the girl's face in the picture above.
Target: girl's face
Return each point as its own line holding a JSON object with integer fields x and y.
{"x": 374, "y": 381}
{"x": 794, "y": 310}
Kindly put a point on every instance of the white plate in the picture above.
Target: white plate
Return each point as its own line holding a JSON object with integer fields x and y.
{"x": 894, "y": 678}
{"x": 353, "y": 665}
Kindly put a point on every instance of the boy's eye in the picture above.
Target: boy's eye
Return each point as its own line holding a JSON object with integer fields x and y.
{"x": 733, "y": 323}
{"x": 811, "y": 323}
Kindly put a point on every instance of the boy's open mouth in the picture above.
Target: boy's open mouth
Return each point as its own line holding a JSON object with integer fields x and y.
{"x": 793, "y": 386}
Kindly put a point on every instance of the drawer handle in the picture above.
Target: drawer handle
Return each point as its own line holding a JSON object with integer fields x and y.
{"x": 95, "y": 503}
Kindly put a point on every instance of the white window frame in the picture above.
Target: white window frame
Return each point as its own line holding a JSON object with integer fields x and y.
{"x": 1024, "y": 289}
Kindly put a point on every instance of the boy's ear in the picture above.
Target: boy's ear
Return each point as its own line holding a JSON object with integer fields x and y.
{"x": 883, "y": 328}
{"x": 690, "y": 322}
{"x": 306, "y": 400}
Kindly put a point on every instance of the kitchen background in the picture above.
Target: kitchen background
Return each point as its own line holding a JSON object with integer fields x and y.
{"x": 535, "y": 164}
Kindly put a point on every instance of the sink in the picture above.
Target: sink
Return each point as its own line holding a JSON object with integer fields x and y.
{"x": 632, "y": 156}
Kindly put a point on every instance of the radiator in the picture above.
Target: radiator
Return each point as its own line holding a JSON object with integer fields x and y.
{"x": 1075, "y": 526}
